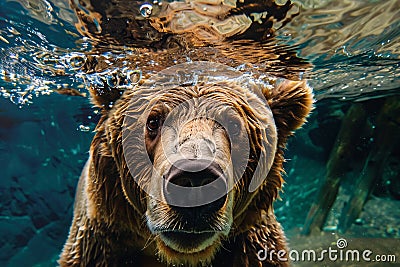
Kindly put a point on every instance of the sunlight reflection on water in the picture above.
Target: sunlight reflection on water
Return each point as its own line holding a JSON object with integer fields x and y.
{"x": 353, "y": 45}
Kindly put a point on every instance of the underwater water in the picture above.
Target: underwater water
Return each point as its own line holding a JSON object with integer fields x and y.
{"x": 349, "y": 51}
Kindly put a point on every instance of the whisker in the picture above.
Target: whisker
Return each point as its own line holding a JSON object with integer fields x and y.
{"x": 223, "y": 247}
{"x": 148, "y": 242}
{"x": 143, "y": 221}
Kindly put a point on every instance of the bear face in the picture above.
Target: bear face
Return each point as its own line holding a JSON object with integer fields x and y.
{"x": 203, "y": 123}
{"x": 191, "y": 159}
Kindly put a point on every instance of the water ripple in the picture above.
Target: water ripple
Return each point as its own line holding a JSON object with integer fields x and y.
{"x": 354, "y": 47}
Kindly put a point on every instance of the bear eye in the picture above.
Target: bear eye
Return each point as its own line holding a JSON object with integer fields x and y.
{"x": 234, "y": 127}
{"x": 153, "y": 124}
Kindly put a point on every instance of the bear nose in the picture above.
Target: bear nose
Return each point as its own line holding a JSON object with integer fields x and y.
{"x": 195, "y": 186}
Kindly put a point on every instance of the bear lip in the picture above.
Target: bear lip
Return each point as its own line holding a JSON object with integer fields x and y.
{"x": 184, "y": 231}
{"x": 157, "y": 229}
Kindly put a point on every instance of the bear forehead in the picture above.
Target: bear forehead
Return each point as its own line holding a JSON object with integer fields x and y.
{"x": 226, "y": 97}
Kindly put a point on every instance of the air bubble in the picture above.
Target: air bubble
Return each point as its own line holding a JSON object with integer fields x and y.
{"x": 84, "y": 128}
{"x": 146, "y": 9}
{"x": 111, "y": 81}
{"x": 76, "y": 62}
{"x": 134, "y": 76}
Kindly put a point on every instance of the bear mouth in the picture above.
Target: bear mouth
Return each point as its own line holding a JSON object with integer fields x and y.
{"x": 188, "y": 242}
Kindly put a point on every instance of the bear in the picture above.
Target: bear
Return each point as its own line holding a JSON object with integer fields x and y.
{"x": 184, "y": 168}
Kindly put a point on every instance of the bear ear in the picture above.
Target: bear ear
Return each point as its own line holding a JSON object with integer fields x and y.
{"x": 104, "y": 97}
{"x": 105, "y": 85}
{"x": 290, "y": 102}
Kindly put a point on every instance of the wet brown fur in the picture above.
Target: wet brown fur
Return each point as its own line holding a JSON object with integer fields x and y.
{"x": 108, "y": 228}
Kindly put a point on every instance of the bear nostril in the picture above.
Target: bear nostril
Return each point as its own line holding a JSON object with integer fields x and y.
{"x": 196, "y": 182}
{"x": 193, "y": 173}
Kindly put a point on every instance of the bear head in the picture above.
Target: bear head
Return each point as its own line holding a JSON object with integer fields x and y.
{"x": 197, "y": 150}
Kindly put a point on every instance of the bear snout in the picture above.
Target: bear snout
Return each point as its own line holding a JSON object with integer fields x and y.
{"x": 203, "y": 182}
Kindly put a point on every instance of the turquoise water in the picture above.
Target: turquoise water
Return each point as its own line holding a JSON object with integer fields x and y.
{"x": 354, "y": 47}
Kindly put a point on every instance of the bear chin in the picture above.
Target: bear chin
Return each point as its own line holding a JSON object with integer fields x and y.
{"x": 186, "y": 252}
